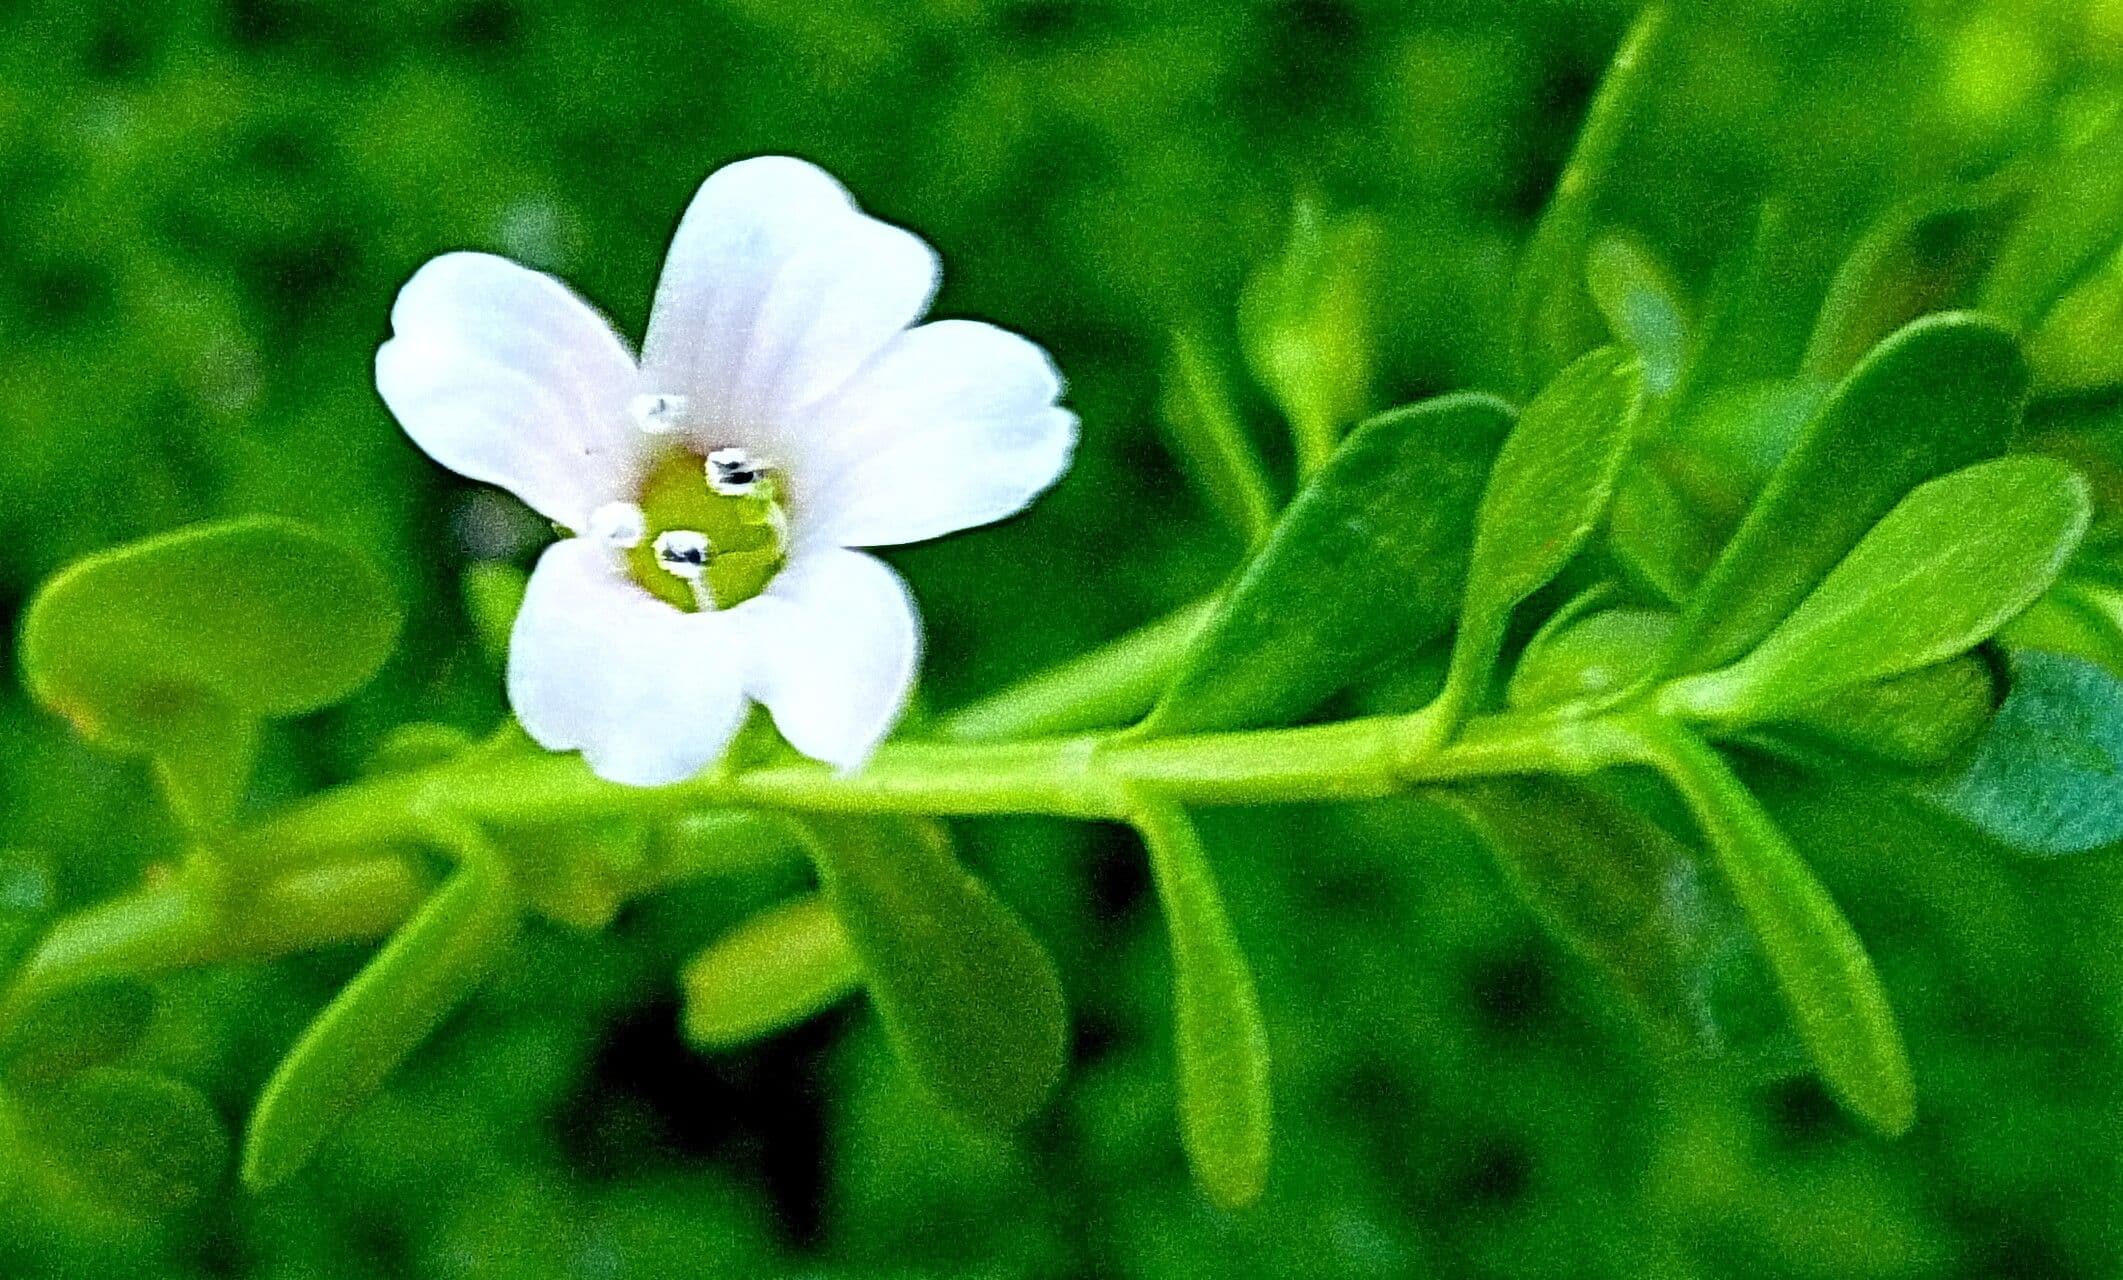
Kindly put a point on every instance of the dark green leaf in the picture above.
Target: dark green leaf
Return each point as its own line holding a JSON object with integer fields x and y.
{"x": 1833, "y": 992}
{"x": 969, "y": 997}
{"x": 1631, "y": 898}
{"x": 1371, "y": 556}
{"x": 1924, "y": 719}
{"x": 1939, "y": 395}
{"x": 1209, "y": 439}
{"x": 2047, "y": 776}
{"x": 136, "y": 1143}
{"x": 393, "y": 1004}
{"x": 74, "y": 1028}
{"x": 1547, "y": 494}
{"x": 770, "y": 972}
{"x": 1225, "y": 1105}
{"x": 1554, "y": 321}
{"x": 1923, "y": 257}
{"x": 1305, "y": 322}
{"x": 1943, "y": 571}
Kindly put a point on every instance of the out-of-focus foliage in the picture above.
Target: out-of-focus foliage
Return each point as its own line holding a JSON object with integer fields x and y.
{"x": 207, "y": 210}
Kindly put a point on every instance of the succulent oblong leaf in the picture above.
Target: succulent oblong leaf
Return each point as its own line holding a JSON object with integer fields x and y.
{"x": 396, "y": 1001}
{"x": 770, "y": 972}
{"x": 1956, "y": 560}
{"x": 257, "y": 617}
{"x": 969, "y": 997}
{"x": 1938, "y": 395}
{"x": 1371, "y": 555}
{"x": 1828, "y": 981}
{"x": 1221, "y": 1040}
{"x": 1549, "y": 490}
{"x": 73, "y": 1028}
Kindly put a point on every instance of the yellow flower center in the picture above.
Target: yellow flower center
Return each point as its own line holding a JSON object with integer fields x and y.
{"x": 715, "y": 533}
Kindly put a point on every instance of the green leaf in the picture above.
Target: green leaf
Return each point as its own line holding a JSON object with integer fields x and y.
{"x": 1631, "y": 899}
{"x": 262, "y": 616}
{"x": 1923, "y": 719}
{"x": 1643, "y": 307}
{"x": 1588, "y": 656}
{"x": 1370, "y": 557}
{"x": 396, "y": 1001}
{"x": 74, "y": 1028}
{"x": 177, "y": 645}
{"x": 1828, "y": 981}
{"x": 1939, "y": 395}
{"x": 138, "y": 1144}
{"x": 2047, "y": 776}
{"x": 770, "y": 972}
{"x": 1923, "y": 257}
{"x": 1222, "y": 1043}
{"x": 2073, "y": 222}
{"x": 1549, "y": 490}
{"x": 968, "y": 996}
{"x": 1660, "y": 540}
{"x": 1209, "y": 439}
{"x": 1304, "y": 321}
{"x": 1956, "y": 560}
{"x": 1554, "y": 321}
{"x": 493, "y": 593}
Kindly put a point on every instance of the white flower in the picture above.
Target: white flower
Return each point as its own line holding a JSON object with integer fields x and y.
{"x": 786, "y": 408}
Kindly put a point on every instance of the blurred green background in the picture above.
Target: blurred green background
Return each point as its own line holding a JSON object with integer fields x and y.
{"x": 205, "y": 211}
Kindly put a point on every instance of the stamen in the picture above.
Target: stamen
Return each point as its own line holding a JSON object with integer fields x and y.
{"x": 684, "y": 554}
{"x": 618, "y": 525}
{"x": 734, "y": 473}
{"x": 658, "y": 413}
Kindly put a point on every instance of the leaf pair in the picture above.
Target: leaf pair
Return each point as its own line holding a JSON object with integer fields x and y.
{"x": 1952, "y": 563}
{"x": 971, "y": 1001}
{"x": 180, "y": 645}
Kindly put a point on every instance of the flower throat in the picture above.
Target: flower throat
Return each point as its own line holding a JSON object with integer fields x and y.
{"x": 714, "y": 532}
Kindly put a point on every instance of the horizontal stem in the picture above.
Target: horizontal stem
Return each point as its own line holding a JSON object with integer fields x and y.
{"x": 1084, "y": 776}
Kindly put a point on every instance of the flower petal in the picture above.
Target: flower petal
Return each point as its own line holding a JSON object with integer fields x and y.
{"x": 834, "y": 644}
{"x": 953, "y": 425}
{"x": 501, "y": 374}
{"x": 649, "y": 694}
{"x": 776, "y": 290}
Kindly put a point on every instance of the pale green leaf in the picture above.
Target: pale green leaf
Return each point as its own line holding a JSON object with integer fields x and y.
{"x": 770, "y": 972}
{"x": 1304, "y": 320}
{"x": 394, "y": 1003}
{"x": 1549, "y": 490}
{"x": 140, "y": 1145}
{"x": 1210, "y": 441}
{"x": 1956, "y": 560}
{"x": 1222, "y": 1043}
{"x": 1554, "y": 321}
{"x": 1828, "y": 981}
